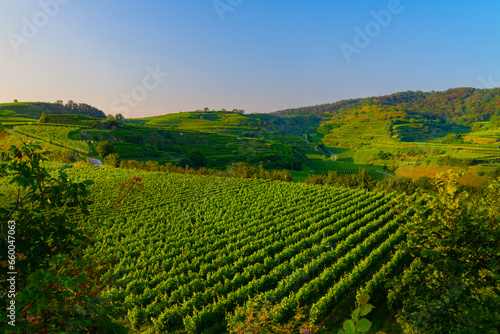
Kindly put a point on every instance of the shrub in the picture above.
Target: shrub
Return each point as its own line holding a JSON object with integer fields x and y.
{"x": 65, "y": 156}
{"x": 459, "y": 162}
{"x": 112, "y": 159}
{"x": 453, "y": 286}
{"x": 43, "y": 118}
{"x": 50, "y": 299}
{"x": 425, "y": 183}
{"x": 315, "y": 179}
{"x": 357, "y": 324}
{"x": 104, "y": 148}
{"x": 256, "y": 317}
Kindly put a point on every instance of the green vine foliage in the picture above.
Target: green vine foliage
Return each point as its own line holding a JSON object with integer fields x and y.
{"x": 357, "y": 324}
{"x": 53, "y": 294}
{"x": 257, "y": 317}
{"x": 452, "y": 286}
{"x": 41, "y": 208}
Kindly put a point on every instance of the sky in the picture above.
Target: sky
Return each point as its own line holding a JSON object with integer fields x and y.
{"x": 146, "y": 58}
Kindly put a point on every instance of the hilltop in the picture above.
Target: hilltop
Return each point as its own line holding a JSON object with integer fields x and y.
{"x": 408, "y": 116}
{"x": 461, "y": 106}
{"x": 34, "y": 110}
{"x": 414, "y": 134}
{"x": 234, "y": 122}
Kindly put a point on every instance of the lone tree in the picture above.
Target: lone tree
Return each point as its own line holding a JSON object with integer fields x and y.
{"x": 104, "y": 148}
{"x": 112, "y": 159}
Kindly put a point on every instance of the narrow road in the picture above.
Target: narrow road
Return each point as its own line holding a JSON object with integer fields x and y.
{"x": 333, "y": 155}
{"x": 96, "y": 162}
{"x": 305, "y": 138}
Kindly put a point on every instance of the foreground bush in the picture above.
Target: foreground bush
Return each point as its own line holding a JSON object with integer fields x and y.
{"x": 453, "y": 284}
{"x": 56, "y": 289}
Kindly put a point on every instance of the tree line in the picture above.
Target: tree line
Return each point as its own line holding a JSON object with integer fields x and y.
{"x": 363, "y": 179}
{"x": 236, "y": 169}
{"x": 456, "y": 106}
{"x": 82, "y": 109}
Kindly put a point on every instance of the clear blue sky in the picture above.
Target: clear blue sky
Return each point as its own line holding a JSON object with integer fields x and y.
{"x": 257, "y": 55}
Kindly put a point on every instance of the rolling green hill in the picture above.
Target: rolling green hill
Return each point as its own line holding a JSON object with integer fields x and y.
{"x": 223, "y": 137}
{"x": 458, "y": 127}
{"x": 462, "y": 106}
{"x": 411, "y": 128}
{"x": 233, "y": 122}
{"x": 33, "y": 110}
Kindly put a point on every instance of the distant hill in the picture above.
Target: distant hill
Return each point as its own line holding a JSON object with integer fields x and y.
{"x": 35, "y": 109}
{"x": 461, "y": 106}
{"x": 232, "y": 122}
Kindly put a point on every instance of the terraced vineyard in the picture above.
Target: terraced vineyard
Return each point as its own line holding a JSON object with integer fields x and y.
{"x": 191, "y": 248}
{"x": 54, "y": 134}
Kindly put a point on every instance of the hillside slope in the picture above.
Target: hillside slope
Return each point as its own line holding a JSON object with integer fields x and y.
{"x": 411, "y": 128}
{"x": 34, "y": 110}
{"x": 232, "y": 122}
{"x": 461, "y": 106}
